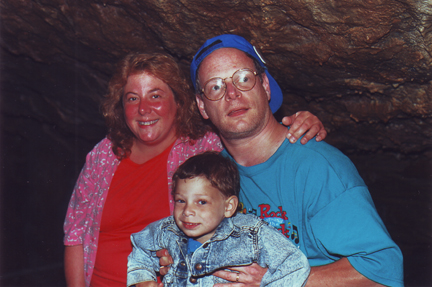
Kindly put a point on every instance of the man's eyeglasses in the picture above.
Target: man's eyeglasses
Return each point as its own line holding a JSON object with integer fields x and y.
{"x": 243, "y": 79}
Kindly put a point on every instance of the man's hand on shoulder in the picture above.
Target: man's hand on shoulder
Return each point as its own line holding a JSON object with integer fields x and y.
{"x": 305, "y": 123}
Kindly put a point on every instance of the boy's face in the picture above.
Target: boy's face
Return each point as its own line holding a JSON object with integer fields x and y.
{"x": 199, "y": 207}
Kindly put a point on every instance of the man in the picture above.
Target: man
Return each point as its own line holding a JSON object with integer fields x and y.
{"x": 312, "y": 193}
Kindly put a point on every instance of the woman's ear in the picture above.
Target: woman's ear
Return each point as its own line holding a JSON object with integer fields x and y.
{"x": 231, "y": 204}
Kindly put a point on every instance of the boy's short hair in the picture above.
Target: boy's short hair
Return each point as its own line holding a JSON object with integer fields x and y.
{"x": 220, "y": 171}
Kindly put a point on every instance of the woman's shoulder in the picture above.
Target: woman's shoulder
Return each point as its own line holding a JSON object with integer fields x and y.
{"x": 210, "y": 141}
{"x": 105, "y": 143}
{"x": 102, "y": 154}
{"x": 102, "y": 147}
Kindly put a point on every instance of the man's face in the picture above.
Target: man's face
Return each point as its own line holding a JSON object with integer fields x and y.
{"x": 238, "y": 114}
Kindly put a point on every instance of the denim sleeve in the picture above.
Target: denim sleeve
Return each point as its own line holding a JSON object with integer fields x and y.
{"x": 287, "y": 265}
{"x": 143, "y": 262}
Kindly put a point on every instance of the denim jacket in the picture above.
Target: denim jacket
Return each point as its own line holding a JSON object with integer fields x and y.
{"x": 238, "y": 241}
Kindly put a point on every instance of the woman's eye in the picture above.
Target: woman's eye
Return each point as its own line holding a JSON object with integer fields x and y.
{"x": 131, "y": 99}
{"x": 202, "y": 202}
{"x": 179, "y": 201}
{"x": 156, "y": 96}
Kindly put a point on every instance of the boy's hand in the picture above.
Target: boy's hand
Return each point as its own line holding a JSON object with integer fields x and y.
{"x": 250, "y": 275}
{"x": 302, "y": 122}
{"x": 165, "y": 260}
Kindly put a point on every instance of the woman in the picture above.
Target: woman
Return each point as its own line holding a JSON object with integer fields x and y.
{"x": 153, "y": 126}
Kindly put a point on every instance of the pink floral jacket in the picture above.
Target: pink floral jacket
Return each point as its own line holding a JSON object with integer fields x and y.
{"x": 84, "y": 212}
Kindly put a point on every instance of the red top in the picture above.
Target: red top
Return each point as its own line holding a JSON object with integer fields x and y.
{"x": 138, "y": 196}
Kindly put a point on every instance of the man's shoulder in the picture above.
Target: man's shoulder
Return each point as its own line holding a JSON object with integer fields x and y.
{"x": 315, "y": 157}
{"x": 313, "y": 147}
{"x": 311, "y": 159}
{"x": 314, "y": 151}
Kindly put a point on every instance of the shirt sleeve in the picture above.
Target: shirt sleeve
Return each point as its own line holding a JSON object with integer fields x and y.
{"x": 74, "y": 225}
{"x": 93, "y": 180}
{"x": 349, "y": 226}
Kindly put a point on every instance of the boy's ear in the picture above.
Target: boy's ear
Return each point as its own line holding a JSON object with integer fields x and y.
{"x": 231, "y": 204}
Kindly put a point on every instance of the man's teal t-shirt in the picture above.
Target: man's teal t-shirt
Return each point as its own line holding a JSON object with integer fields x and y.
{"x": 314, "y": 195}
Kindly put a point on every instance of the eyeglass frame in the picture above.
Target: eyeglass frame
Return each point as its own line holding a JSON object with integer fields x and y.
{"x": 255, "y": 73}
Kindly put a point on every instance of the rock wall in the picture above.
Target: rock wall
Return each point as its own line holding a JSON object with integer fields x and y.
{"x": 364, "y": 67}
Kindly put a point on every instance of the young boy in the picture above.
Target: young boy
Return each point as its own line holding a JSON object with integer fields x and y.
{"x": 205, "y": 233}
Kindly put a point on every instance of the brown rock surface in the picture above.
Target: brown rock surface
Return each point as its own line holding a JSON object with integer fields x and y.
{"x": 364, "y": 67}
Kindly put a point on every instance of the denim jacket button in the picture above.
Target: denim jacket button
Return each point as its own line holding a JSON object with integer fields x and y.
{"x": 183, "y": 263}
{"x": 192, "y": 280}
{"x": 198, "y": 266}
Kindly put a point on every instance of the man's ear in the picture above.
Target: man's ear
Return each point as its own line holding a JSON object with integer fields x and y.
{"x": 266, "y": 85}
{"x": 231, "y": 204}
{"x": 201, "y": 107}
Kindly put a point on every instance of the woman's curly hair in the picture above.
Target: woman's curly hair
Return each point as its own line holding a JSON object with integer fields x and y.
{"x": 188, "y": 121}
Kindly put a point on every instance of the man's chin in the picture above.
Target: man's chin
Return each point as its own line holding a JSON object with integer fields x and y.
{"x": 236, "y": 134}
{"x": 242, "y": 130}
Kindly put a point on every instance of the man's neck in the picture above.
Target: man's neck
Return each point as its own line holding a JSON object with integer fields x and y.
{"x": 259, "y": 147}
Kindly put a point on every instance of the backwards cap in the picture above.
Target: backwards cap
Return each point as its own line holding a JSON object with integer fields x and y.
{"x": 240, "y": 43}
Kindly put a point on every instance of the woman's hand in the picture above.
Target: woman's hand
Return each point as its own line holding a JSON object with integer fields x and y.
{"x": 304, "y": 122}
{"x": 250, "y": 275}
{"x": 165, "y": 260}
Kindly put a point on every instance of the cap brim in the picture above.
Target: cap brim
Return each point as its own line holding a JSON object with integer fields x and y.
{"x": 276, "y": 96}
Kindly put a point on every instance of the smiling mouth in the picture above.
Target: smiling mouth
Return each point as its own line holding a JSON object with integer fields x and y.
{"x": 147, "y": 123}
{"x": 189, "y": 225}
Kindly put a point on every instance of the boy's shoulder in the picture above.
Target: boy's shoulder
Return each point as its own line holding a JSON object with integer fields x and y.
{"x": 165, "y": 222}
{"x": 249, "y": 220}
{"x": 161, "y": 224}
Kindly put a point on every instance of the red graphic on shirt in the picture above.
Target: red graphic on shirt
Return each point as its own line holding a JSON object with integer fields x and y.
{"x": 265, "y": 208}
{"x": 277, "y": 219}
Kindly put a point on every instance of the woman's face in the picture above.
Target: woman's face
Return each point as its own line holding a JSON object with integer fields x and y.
{"x": 149, "y": 109}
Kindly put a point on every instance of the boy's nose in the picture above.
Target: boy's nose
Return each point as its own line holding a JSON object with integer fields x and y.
{"x": 188, "y": 211}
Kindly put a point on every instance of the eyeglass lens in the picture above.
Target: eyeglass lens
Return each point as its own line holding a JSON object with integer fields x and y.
{"x": 244, "y": 80}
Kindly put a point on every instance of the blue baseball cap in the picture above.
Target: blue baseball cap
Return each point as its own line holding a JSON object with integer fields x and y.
{"x": 240, "y": 43}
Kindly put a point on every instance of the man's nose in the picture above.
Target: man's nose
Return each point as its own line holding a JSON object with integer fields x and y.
{"x": 231, "y": 91}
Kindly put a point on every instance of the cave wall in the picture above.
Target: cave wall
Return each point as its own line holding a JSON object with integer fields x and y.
{"x": 364, "y": 67}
